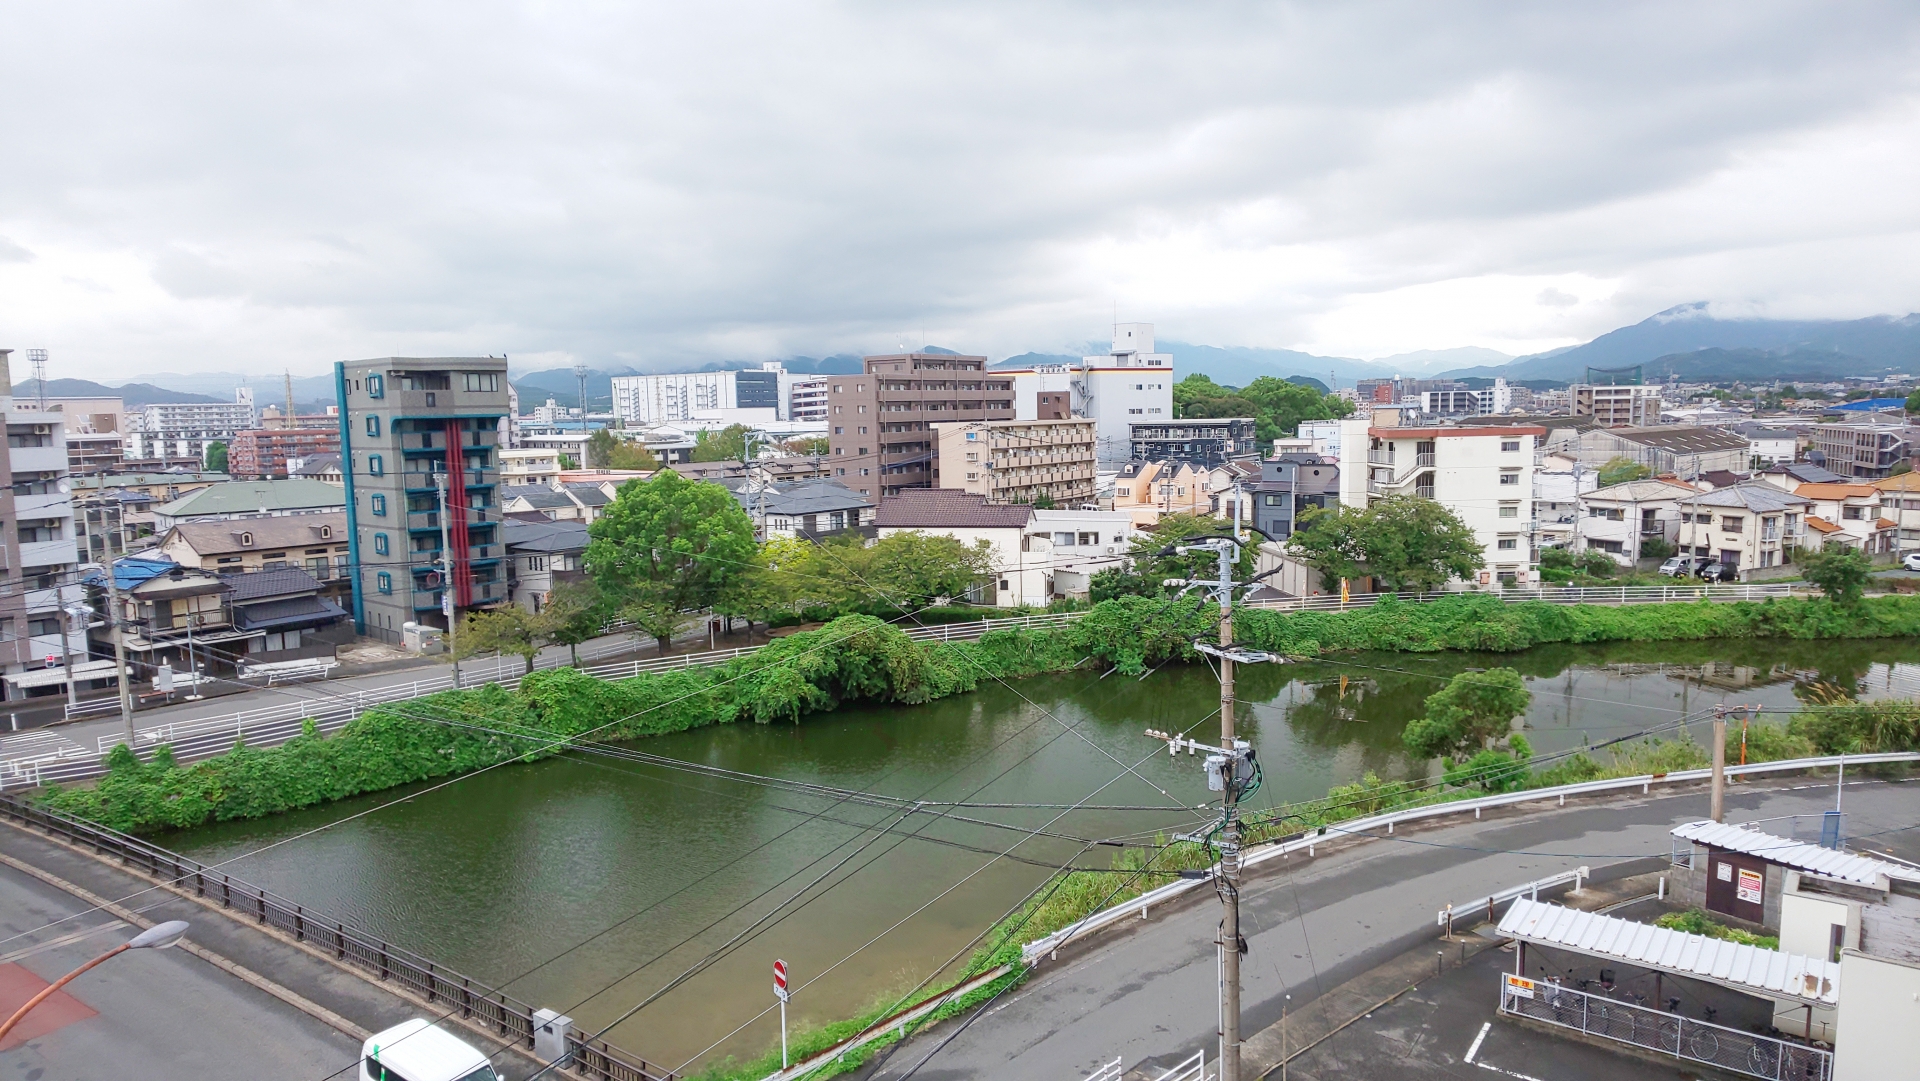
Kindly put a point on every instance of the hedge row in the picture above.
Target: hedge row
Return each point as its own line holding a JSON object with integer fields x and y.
{"x": 860, "y": 658}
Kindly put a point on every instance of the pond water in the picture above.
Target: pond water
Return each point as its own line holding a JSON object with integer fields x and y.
{"x": 585, "y": 883}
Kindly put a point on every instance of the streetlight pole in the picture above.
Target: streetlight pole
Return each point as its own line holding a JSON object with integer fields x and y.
{"x": 160, "y": 936}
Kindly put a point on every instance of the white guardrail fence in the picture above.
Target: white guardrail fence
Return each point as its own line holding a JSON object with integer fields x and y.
{"x": 331, "y": 710}
{"x": 1383, "y": 824}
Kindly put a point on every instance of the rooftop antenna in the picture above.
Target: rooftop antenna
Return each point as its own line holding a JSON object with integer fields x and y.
{"x": 580, "y": 373}
{"x": 38, "y": 358}
{"x": 289, "y": 421}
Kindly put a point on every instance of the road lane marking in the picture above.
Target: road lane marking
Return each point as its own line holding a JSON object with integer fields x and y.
{"x": 1475, "y": 1049}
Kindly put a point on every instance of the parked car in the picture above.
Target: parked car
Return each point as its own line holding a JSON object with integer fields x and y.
{"x": 1717, "y": 571}
{"x": 1911, "y": 561}
{"x": 1679, "y": 567}
{"x": 419, "y": 1050}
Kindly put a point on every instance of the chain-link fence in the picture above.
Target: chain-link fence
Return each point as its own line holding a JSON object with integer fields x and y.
{"x": 1668, "y": 1034}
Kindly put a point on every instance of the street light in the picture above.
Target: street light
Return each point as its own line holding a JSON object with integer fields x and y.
{"x": 158, "y": 937}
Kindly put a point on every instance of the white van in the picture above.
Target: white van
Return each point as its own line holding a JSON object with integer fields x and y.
{"x": 417, "y": 1050}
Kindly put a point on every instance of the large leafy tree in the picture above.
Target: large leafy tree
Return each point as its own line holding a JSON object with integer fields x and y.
{"x": 1169, "y": 532}
{"x": 1473, "y": 710}
{"x": 1405, "y": 541}
{"x": 726, "y": 445}
{"x": 1840, "y": 572}
{"x": 507, "y": 629}
{"x": 912, "y": 567}
{"x": 216, "y": 457}
{"x": 668, "y": 545}
{"x": 576, "y": 611}
{"x": 1278, "y": 406}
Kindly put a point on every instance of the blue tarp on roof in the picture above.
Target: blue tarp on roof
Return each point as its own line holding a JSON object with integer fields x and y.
{"x": 132, "y": 571}
{"x": 1871, "y": 405}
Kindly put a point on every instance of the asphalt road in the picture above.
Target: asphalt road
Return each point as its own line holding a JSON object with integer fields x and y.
{"x": 1149, "y": 993}
{"x": 163, "y": 1015}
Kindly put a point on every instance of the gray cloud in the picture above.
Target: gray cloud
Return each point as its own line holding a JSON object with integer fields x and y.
{"x": 683, "y": 182}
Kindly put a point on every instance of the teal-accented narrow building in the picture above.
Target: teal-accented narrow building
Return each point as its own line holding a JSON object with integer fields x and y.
{"x": 402, "y": 420}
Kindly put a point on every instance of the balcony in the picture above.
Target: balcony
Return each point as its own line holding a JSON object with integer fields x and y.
{"x": 38, "y": 459}
{"x": 51, "y": 553}
{"x": 1423, "y": 491}
{"x": 43, "y": 505}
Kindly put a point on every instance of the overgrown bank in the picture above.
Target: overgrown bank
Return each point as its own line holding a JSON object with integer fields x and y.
{"x": 859, "y": 658}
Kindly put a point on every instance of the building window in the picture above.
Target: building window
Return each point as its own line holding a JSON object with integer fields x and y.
{"x": 379, "y": 503}
{"x": 1853, "y": 514}
{"x": 1732, "y": 524}
{"x": 482, "y": 382}
{"x": 1510, "y": 476}
{"x": 246, "y": 540}
{"x": 376, "y": 386}
{"x": 373, "y": 424}
{"x": 838, "y": 430}
{"x": 1507, "y": 544}
{"x": 376, "y": 466}
{"x": 379, "y": 544}
{"x": 1510, "y": 510}
{"x": 1508, "y": 446}
{"x": 383, "y": 582}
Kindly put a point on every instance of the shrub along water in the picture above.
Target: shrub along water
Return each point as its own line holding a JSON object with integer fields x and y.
{"x": 861, "y": 658}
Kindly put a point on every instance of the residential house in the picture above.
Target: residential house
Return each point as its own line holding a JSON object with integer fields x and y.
{"x": 1748, "y": 526}
{"x": 236, "y": 499}
{"x": 1850, "y": 514}
{"x": 809, "y": 510}
{"x": 1769, "y": 446}
{"x": 1288, "y": 485}
{"x": 316, "y": 543}
{"x": 285, "y": 604}
{"x": 541, "y": 555}
{"x": 1019, "y": 461}
{"x": 1484, "y": 475}
{"x": 1900, "y": 501}
{"x": 782, "y": 469}
{"x": 1686, "y": 451}
{"x": 1620, "y": 519}
{"x": 1084, "y": 543}
{"x": 1558, "y": 483}
{"x": 577, "y": 502}
{"x": 1791, "y": 475}
{"x": 171, "y": 615}
{"x": 1021, "y": 561}
{"x": 320, "y": 467}
{"x": 1147, "y": 491}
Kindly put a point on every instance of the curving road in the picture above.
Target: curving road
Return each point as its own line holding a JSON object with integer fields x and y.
{"x": 1149, "y": 993}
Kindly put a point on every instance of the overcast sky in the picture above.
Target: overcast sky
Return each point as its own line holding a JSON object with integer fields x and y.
{"x": 247, "y": 187}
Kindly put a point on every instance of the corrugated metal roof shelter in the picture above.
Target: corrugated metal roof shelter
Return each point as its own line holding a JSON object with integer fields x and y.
{"x": 1826, "y": 862}
{"x": 1771, "y": 973}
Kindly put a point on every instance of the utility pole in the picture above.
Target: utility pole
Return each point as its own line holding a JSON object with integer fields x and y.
{"x": 580, "y": 374}
{"x": 289, "y": 425}
{"x": 1717, "y": 807}
{"x": 66, "y": 645}
{"x": 446, "y": 569}
{"x": 1233, "y": 772}
{"x": 115, "y": 624}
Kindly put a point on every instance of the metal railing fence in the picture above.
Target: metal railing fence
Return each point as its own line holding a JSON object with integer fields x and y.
{"x": 1665, "y": 1033}
{"x": 473, "y": 1001}
{"x": 271, "y": 725}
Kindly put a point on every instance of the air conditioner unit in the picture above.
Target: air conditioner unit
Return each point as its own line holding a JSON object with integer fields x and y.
{"x": 1109, "y": 549}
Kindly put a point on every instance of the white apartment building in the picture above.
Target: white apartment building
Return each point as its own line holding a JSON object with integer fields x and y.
{"x": 647, "y": 400}
{"x": 184, "y": 429}
{"x": 1620, "y": 518}
{"x": 807, "y": 400}
{"x": 1019, "y": 461}
{"x": 1084, "y": 543}
{"x": 1497, "y": 398}
{"x": 1484, "y": 475}
{"x": 530, "y": 465}
{"x": 1616, "y": 405}
{"x": 1850, "y": 514}
{"x": 38, "y": 553}
{"x": 1131, "y": 385}
{"x": 1558, "y": 481}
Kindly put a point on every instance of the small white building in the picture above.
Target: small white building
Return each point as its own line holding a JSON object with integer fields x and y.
{"x": 529, "y": 466}
{"x": 1747, "y": 526}
{"x": 1022, "y": 561}
{"x": 1084, "y": 543}
{"x": 1621, "y": 518}
{"x": 1850, "y": 514}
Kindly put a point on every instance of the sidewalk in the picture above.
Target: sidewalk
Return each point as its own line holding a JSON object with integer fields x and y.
{"x": 611, "y": 647}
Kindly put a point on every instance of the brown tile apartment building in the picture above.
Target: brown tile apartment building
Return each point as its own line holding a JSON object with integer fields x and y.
{"x": 878, "y": 419}
{"x": 263, "y": 452}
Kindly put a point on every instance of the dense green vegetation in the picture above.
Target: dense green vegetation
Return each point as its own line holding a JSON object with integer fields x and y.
{"x": 1695, "y": 921}
{"x": 1407, "y": 542}
{"x": 1276, "y": 405}
{"x": 861, "y": 658}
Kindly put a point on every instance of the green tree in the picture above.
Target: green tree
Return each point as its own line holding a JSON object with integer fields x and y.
{"x": 600, "y": 449}
{"x": 809, "y": 446}
{"x": 1472, "y": 711}
{"x": 1276, "y": 405}
{"x": 1119, "y": 582}
{"x": 216, "y": 457}
{"x": 567, "y": 462}
{"x": 632, "y": 456}
{"x": 1840, "y": 572}
{"x": 1622, "y": 470}
{"x": 575, "y": 612}
{"x": 912, "y": 567}
{"x": 726, "y": 445}
{"x": 509, "y": 629}
{"x": 1913, "y": 402}
{"x": 1405, "y": 541}
{"x": 668, "y": 545}
{"x": 1155, "y": 568}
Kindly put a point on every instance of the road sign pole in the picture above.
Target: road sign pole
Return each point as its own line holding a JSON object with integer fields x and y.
{"x": 783, "y": 1032}
{"x": 780, "y": 992}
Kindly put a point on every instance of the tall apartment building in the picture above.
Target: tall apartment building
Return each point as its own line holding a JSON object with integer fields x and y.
{"x": 1131, "y": 385}
{"x": 1482, "y": 474}
{"x": 184, "y": 429}
{"x": 95, "y": 429}
{"x": 647, "y": 400}
{"x": 1020, "y": 461}
{"x": 38, "y": 555}
{"x": 1622, "y": 405}
{"x": 1868, "y": 449}
{"x": 879, "y": 435}
{"x": 807, "y": 399}
{"x": 1203, "y": 441}
{"x": 263, "y": 452}
{"x": 402, "y": 420}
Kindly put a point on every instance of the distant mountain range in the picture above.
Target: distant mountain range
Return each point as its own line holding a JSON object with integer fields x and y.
{"x": 1689, "y": 342}
{"x": 134, "y": 394}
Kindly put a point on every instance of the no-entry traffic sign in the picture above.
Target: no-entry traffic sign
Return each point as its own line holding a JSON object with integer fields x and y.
{"x": 780, "y": 979}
